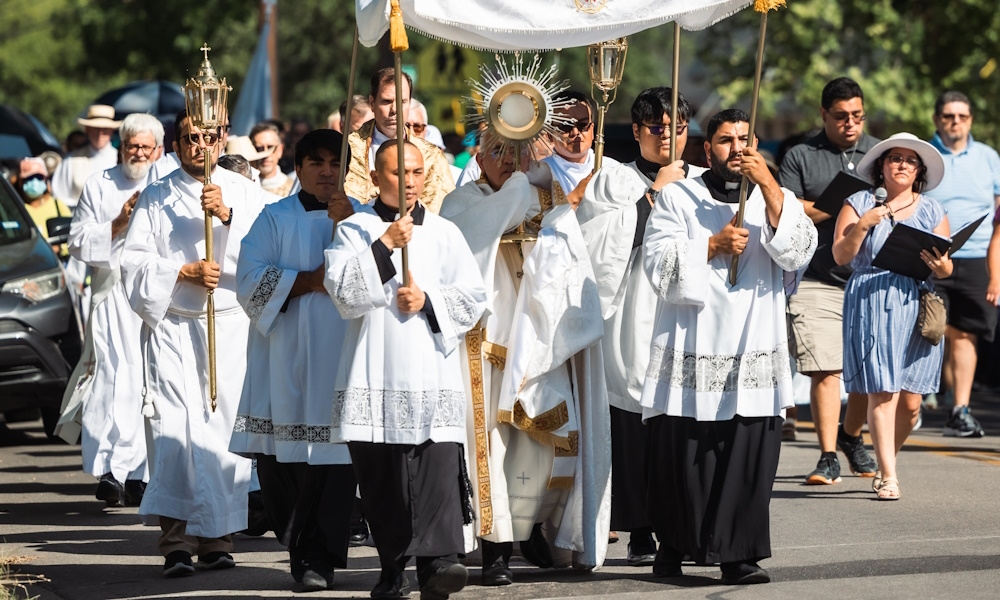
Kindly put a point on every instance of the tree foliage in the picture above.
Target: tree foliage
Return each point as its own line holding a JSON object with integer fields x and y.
{"x": 904, "y": 53}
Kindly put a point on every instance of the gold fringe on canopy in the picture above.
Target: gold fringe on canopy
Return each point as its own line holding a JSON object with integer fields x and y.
{"x": 758, "y": 5}
{"x": 397, "y": 33}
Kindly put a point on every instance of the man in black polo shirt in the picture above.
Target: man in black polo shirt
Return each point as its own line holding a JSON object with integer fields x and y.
{"x": 815, "y": 311}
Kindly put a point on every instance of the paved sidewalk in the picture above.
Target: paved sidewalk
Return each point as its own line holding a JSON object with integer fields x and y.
{"x": 941, "y": 540}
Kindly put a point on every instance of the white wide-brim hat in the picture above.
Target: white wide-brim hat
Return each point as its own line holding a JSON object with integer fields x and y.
{"x": 930, "y": 156}
{"x": 241, "y": 144}
{"x": 101, "y": 116}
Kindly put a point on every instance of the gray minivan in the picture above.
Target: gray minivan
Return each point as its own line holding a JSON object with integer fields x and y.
{"x": 40, "y": 333}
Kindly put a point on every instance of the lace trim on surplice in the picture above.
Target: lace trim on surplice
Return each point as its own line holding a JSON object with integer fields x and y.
{"x": 282, "y": 432}
{"x": 399, "y": 410}
{"x": 719, "y": 372}
{"x": 263, "y": 292}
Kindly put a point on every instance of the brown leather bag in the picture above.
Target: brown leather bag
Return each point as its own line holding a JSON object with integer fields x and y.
{"x": 932, "y": 317}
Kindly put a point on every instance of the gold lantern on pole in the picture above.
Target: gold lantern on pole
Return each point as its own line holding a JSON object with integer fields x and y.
{"x": 606, "y": 63}
{"x": 205, "y": 97}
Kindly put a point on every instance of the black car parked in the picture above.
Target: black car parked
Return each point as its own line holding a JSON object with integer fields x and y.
{"x": 40, "y": 335}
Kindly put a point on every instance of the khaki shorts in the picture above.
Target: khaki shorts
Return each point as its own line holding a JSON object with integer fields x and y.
{"x": 815, "y": 327}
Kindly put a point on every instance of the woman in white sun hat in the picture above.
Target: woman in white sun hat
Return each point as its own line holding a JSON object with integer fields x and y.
{"x": 885, "y": 355}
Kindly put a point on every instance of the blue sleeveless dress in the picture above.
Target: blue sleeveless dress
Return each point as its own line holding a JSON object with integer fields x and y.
{"x": 883, "y": 350}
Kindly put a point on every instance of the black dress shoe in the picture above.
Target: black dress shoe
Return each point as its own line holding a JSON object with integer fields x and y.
{"x": 316, "y": 576}
{"x": 257, "y": 521}
{"x": 110, "y": 490}
{"x": 667, "y": 563}
{"x": 444, "y": 581}
{"x": 535, "y": 549}
{"x": 391, "y": 585}
{"x": 497, "y": 574}
{"x": 641, "y": 549}
{"x": 744, "y": 573}
{"x": 134, "y": 491}
{"x": 359, "y": 532}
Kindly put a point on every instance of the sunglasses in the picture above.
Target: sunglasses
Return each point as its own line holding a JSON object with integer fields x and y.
{"x": 37, "y": 176}
{"x": 844, "y": 118}
{"x": 581, "y": 126}
{"x": 660, "y": 129}
{"x": 417, "y": 127}
{"x": 195, "y": 138}
{"x": 263, "y": 148}
{"x": 956, "y": 118}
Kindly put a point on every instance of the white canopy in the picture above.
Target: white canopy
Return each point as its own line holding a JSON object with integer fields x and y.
{"x": 509, "y": 25}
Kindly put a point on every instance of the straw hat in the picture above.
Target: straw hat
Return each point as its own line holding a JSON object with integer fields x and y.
{"x": 101, "y": 116}
{"x": 928, "y": 154}
{"x": 241, "y": 144}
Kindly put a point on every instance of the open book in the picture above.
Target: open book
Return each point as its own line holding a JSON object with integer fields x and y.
{"x": 901, "y": 251}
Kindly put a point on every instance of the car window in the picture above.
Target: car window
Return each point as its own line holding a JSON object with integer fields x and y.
{"x": 14, "y": 226}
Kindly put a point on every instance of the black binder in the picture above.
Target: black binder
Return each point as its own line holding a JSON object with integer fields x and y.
{"x": 901, "y": 251}
{"x": 842, "y": 186}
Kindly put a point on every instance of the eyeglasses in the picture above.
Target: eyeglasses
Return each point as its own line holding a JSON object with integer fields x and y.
{"x": 660, "y": 129}
{"x": 417, "y": 127}
{"x": 581, "y": 126}
{"x": 195, "y": 138}
{"x": 956, "y": 118}
{"x": 844, "y": 118}
{"x": 135, "y": 148}
{"x": 912, "y": 163}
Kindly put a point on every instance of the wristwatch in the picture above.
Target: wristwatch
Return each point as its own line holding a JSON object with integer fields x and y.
{"x": 651, "y": 195}
{"x": 230, "y": 219}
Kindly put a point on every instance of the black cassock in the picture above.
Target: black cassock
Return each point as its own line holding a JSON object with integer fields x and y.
{"x": 415, "y": 500}
{"x": 628, "y": 471}
{"x": 709, "y": 487}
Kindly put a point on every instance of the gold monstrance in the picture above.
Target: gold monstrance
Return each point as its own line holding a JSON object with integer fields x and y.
{"x": 205, "y": 98}
{"x": 606, "y": 63}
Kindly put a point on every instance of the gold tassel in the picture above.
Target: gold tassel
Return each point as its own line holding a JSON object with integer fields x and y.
{"x": 760, "y": 6}
{"x": 397, "y": 33}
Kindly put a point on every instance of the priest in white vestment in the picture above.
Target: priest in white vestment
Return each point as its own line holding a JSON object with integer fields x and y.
{"x": 197, "y": 489}
{"x": 613, "y": 215}
{"x": 719, "y": 376}
{"x": 296, "y": 336}
{"x": 113, "y": 439}
{"x": 400, "y": 401}
{"x": 538, "y": 427}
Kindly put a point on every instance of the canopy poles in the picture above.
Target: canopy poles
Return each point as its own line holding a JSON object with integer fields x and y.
{"x": 398, "y": 44}
{"x": 675, "y": 83}
{"x": 763, "y": 7}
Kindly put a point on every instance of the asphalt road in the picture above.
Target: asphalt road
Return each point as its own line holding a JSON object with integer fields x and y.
{"x": 941, "y": 540}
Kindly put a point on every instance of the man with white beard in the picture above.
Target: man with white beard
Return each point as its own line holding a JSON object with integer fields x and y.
{"x": 197, "y": 488}
{"x": 113, "y": 443}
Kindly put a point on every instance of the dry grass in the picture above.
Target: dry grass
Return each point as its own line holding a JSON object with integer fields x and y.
{"x": 13, "y": 586}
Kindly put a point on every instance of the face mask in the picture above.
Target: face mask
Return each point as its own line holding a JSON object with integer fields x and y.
{"x": 35, "y": 188}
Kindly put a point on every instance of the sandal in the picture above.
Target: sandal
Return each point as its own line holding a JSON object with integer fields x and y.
{"x": 877, "y": 482}
{"x": 889, "y": 490}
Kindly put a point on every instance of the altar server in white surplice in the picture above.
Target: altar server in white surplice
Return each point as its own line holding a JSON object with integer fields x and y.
{"x": 613, "y": 215}
{"x": 296, "y": 337}
{"x": 197, "y": 489}
{"x": 719, "y": 375}
{"x": 400, "y": 401}
{"x": 113, "y": 441}
{"x": 538, "y": 422}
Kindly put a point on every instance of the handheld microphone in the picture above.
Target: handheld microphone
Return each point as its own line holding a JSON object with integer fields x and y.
{"x": 880, "y": 196}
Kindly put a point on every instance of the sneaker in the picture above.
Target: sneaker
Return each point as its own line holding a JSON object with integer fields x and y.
{"x": 827, "y": 470}
{"x": 788, "y": 430}
{"x": 961, "y": 423}
{"x": 216, "y": 560}
{"x": 177, "y": 564}
{"x": 929, "y": 402}
{"x": 862, "y": 464}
